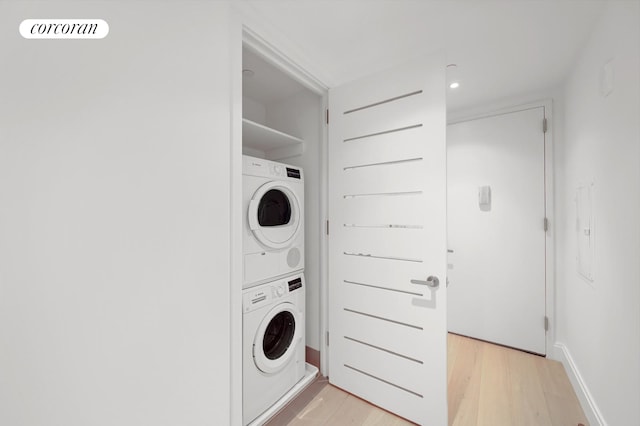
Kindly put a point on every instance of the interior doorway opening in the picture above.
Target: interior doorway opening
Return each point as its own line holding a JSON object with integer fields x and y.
{"x": 498, "y": 240}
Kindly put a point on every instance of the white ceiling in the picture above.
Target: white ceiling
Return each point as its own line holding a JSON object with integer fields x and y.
{"x": 502, "y": 48}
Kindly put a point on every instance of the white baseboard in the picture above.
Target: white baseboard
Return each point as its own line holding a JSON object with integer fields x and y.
{"x": 580, "y": 387}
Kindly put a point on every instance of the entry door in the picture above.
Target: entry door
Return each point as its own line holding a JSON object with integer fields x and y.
{"x": 497, "y": 280}
{"x": 387, "y": 241}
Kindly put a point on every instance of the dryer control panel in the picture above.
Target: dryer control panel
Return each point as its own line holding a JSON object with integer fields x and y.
{"x": 276, "y": 169}
{"x": 253, "y": 166}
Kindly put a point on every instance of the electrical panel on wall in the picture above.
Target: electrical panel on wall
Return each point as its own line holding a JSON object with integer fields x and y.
{"x": 585, "y": 230}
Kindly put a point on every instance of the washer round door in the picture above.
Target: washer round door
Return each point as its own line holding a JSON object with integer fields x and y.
{"x": 274, "y": 214}
{"x": 277, "y": 337}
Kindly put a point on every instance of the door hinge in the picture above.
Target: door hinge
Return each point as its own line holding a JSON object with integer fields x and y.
{"x": 327, "y": 227}
{"x": 546, "y": 323}
{"x": 327, "y": 338}
{"x": 544, "y": 125}
{"x": 327, "y": 116}
{"x": 546, "y": 224}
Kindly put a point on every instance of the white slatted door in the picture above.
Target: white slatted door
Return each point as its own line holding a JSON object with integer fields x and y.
{"x": 387, "y": 172}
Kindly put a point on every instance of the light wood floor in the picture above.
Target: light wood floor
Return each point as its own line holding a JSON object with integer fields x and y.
{"x": 487, "y": 385}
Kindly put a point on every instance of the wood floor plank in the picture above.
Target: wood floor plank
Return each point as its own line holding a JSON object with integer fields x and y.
{"x": 565, "y": 411}
{"x": 293, "y": 408}
{"x": 356, "y": 411}
{"x": 464, "y": 380}
{"x": 555, "y": 379}
{"x": 487, "y": 385}
{"x": 453, "y": 341}
{"x": 494, "y": 408}
{"x": 528, "y": 407}
{"x": 466, "y": 414}
{"x": 322, "y": 407}
{"x": 563, "y": 404}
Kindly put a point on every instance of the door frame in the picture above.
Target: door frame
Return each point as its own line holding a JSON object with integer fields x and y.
{"x": 550, "y": 285}
{"x": 273, "y": 47}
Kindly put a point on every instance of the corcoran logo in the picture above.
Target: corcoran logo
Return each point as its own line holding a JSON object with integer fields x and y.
{"x": 64, "y": 28}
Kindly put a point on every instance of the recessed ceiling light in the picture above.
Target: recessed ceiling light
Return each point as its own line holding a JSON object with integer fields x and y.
{"x": 454, "y": 85}
{"x": 248, "y": 73}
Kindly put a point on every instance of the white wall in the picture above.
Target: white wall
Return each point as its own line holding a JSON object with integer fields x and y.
{"x": 599, "y": 323}
{"x": 114, "y": 218}
{"x": 301, "y": 115}
{"x": 253, "y": 110}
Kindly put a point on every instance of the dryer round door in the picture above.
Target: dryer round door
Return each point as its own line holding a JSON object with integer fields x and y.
{"x": 274, "y": 214}
{"x": 277, "y": 337}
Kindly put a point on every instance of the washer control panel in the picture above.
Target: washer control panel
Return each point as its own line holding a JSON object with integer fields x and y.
{"x": 278, "y": 290}
{"x": 262, "y": 295}
{"x": 295, "y": 284}
{"x": 267, "y": 294}
{"x": 253, "y": 299}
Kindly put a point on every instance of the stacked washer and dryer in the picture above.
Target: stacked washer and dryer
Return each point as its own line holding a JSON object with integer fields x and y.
{"x": 273, "y": 285}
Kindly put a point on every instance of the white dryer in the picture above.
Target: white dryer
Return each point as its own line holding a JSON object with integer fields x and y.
{"x": 273, "y": 203}
{"x": 273, "y": 343}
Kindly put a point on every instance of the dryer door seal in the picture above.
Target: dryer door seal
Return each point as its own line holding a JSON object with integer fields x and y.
{"x": 277, "y": 338}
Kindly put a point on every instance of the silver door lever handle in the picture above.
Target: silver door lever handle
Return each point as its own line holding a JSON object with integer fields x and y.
{"x": 432, "y": 282}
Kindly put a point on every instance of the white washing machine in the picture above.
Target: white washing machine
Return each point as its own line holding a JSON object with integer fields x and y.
{"x": 273, "y": 203}
{"x": 273, "y": 343}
